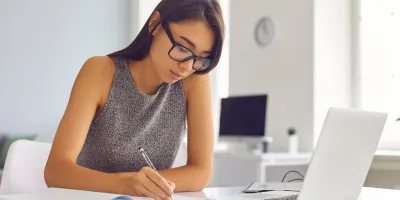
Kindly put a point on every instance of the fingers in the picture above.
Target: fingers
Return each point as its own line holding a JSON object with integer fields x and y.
{"x": 158, "y": 180}
{"x": 172, "y": 184}
{"x": 147, "y": 193}
{"x": 151, "y": 186}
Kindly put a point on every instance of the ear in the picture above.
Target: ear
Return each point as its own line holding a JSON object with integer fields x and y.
{"x": 154, "y": 19}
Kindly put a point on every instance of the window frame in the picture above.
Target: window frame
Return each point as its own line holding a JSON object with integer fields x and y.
{"x": 386, "y": 142}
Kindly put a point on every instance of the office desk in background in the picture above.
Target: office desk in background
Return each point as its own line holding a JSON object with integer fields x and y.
{"x": 232, "y": 168}
{"x": 211, "y": 193}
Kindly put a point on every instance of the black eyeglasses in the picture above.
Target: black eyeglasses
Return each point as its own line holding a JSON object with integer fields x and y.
{"x": 181, "y": 53}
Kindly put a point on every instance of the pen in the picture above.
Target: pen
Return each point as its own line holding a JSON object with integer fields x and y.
{"x": 148, "y": 161}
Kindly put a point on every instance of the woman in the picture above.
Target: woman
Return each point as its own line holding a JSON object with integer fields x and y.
{"x": 142, "y": 97}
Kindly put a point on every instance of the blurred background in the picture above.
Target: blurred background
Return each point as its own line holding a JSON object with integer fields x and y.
{"x": 293, "y": 59}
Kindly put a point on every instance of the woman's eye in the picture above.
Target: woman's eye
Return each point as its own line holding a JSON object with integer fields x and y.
{"x": 182, "y": 49}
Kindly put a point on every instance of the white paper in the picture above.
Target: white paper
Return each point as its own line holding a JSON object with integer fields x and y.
{"x": 176, "y": 197}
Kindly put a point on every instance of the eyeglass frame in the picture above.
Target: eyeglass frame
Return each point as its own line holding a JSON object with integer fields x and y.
{"x": 175, "y": 44}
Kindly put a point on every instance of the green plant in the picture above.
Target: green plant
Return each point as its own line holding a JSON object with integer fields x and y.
{"x": 398, "y": 120}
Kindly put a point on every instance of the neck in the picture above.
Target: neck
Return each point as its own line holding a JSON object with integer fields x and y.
{"x": 145, "y": 76}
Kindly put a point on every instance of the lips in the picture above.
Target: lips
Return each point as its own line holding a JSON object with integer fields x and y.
{"x": 176, "y": 76}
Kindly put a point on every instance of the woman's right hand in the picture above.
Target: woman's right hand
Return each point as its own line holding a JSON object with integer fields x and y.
{"x": 147, "y": 183}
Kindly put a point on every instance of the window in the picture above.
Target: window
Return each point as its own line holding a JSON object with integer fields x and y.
{"x": 379, "y": 64}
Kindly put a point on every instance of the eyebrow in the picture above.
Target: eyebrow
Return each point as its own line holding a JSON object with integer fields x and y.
{"x": 192, "y": 44}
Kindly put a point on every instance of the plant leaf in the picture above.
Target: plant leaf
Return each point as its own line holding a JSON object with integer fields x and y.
{"x": 398, "y": 120}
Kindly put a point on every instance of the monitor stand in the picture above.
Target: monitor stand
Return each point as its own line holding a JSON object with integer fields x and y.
{"x": 242, "y": 144}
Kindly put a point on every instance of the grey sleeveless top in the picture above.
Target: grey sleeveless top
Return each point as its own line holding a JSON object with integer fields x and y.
{"x": 130, "y": 120}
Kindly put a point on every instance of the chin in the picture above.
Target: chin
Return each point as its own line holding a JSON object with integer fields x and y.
{"x": 171, "y": 78}
{"x": 168, "y": 80}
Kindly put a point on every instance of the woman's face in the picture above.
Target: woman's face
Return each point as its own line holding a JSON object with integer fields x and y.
{"x": 193, "y": 37}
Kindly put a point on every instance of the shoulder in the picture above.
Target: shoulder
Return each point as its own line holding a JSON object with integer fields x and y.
{"x": 195, "y": 82}
{"x": 99, "y": 64}
{"x": 98, "y": 67}
{"x": 97, "y": 73}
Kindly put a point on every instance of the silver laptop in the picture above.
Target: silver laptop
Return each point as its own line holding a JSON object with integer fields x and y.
{"x": 343, "y": 155}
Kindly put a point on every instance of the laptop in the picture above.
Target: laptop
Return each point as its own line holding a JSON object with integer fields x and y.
{"x": 343, "y": 155}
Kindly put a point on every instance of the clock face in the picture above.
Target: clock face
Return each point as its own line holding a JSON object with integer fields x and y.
{"x": 264, "y": 31}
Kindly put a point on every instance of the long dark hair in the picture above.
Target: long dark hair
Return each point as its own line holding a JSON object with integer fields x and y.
{"x": 178, "y": 11}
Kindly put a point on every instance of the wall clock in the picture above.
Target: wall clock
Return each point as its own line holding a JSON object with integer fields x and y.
{"x": 264, "y": 31}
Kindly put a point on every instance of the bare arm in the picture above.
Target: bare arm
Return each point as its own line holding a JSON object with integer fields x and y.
{"x": 196, "y": 174}
{"x": 61, "y": 169}
{"x": 89, "y": 92}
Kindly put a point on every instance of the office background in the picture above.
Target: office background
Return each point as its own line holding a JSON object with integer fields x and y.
{"x": 322, "y": 53}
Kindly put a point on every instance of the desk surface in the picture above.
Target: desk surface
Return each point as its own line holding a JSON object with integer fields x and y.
{"x": 210, "y": 193}
{"x": 366, "y": 194}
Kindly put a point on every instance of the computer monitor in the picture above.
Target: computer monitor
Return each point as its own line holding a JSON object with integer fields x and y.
{"x": 243, "y": 117}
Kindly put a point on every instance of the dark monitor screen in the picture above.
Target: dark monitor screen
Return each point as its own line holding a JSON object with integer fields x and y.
{"x": 243, "y": 116}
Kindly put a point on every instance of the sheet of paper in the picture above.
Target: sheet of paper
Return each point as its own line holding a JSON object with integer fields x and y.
{"x": 176, "y": 197}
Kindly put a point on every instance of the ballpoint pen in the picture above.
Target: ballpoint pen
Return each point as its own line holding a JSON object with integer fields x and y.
{"x": 148, "y": 161}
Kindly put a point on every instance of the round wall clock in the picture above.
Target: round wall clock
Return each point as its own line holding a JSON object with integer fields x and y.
{"x": 264, "y": 31}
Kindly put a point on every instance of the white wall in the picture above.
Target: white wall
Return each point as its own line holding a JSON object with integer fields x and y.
{"x": 284, "y": 69}
{"x": 43, "y": 45}
{"x": 134, "y": 18}
{"x": 146, "y": 7}
{"x": 305, "y": 69}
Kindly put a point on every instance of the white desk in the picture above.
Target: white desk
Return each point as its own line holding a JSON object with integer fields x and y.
{"x": 366, "y": 193}
{"x": 248, "y": 167}
{"x": 212, "y": 193}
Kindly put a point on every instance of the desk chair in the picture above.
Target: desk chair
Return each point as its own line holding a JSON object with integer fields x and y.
{"x": 181, "y": 157}
{"x": 24, "y": 167}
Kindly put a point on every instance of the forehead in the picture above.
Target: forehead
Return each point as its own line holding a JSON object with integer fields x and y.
{"x": 199, "y": 32}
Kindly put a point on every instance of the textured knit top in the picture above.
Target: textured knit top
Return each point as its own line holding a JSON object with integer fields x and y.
{"x": 130, "y": 120}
